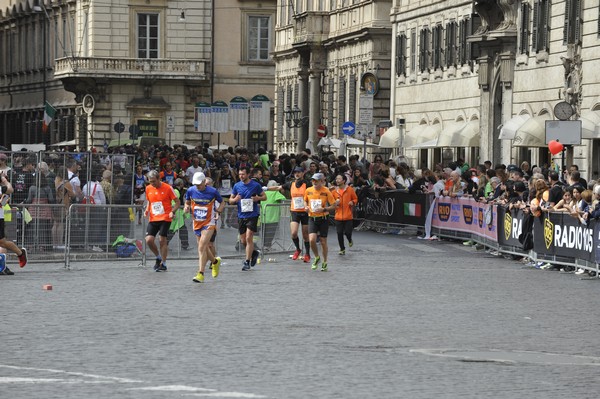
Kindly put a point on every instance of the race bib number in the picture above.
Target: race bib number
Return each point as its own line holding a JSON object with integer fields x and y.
{"x": 315, "y": 204}
{"x": 298, "y": 203}
{"x": 200, "y": 213}
{"x": 157, "y": 208}
{"x": 247, "y": 205}
{"x": 226, "y": 184}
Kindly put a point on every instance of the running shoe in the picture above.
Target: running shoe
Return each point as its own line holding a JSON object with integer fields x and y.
{"x": 7, "y": 272}
{"x": 246, "y": 266}
{"x": 324, "y": 267}
{"x": 342, "y": 252}
{"x": 255, "y": 255}
{"x": 350, "y": 243}
{"x": 157, "y": 264}
{"x": 215, "y": 267}
{"x": 162, "y": 268}
{"x": 306, "y": 258}
{"x": 23, "y": 258}
{"x": 199, "y": 278}
{"x": 315, "y": 263}
{"x": 296, "y": 254}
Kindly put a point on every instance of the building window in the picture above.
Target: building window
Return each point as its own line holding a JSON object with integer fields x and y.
{"x": 465, "y": 29}
{"x": 401, "y": 55}
{"x": 451, "y": 43}
{"x": 424, "y": 49}
{"x": 573, "y": 22}
{"x": 259, "y": 38}
{"x": 437, "y": 32}
{"x": 525, "y": 32}
{"x": 540, "y": 40}
{"x": 147, "y": 30}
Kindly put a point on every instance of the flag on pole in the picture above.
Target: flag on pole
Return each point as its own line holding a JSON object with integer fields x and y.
{"x": 49, "y": 112}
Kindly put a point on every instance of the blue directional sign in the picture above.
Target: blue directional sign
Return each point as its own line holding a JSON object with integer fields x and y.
{"x": 348, "y": 128}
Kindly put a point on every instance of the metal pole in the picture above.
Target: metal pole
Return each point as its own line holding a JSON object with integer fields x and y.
{"x": 44, "y": 65}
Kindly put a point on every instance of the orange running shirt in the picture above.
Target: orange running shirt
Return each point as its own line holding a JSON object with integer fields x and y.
{"x": 318, "y": 199}
{"x": 159, "y": 202}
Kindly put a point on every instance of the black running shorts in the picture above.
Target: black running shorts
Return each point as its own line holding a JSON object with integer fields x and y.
{"x": 249, "y": 223}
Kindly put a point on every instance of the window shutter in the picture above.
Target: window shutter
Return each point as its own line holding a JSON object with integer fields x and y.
{"x": 524, "y": 28}
{"x": 352, "y": 98}
{"x": 461, "y": 42}
{"x": 280, "y": 114}
{"x": 422, "y": 50}
{"x": 330, "y": 101}
{"x": 546, "y": 27}
{"x": 536, "y": 24}
{"x": 398, "y": 56}
{"x": 567, "y": 24}
{"x": 413, "y": 50}
{"x": 402, "y": 55}
{"x": 469, "y": 32}
{"x": 437, "y": 46}
{"x": 341, "y": 103}
{"x": 578, "y": 21}
{"x": 451, "y": 44}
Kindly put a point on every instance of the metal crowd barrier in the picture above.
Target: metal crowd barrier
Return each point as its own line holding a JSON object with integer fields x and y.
{"x": 86, "y": 232}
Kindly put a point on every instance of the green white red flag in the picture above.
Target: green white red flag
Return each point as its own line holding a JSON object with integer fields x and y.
{"x": 49, "y": 112}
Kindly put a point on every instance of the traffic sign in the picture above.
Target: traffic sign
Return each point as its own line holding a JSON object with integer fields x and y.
{"x": 348, "y": 128}
{"x": 170, "y": 122}
{"x": 322, "y": 131}
{"x": 119, "y": 127}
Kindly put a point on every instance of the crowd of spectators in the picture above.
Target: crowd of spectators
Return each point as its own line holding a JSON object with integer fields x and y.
{"x": 118, "y": 177}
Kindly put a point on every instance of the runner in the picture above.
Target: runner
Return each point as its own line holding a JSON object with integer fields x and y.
{"x": 160, "y": 212}
{"x": 344, "y": 219}
{"x": 212, "y": 250}
{"x": 200, "y": 199}
{"x": 320, "y": 202}
{"x": 4, "y": 243}
{"x": 298, "y": 213}
{"x": 247, "y": 194}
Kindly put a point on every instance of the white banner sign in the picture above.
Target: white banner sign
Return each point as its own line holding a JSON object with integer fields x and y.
{"x": 238, "y": 116}
{"x": 260, "y": 115}
{"x": 219, "y": 119}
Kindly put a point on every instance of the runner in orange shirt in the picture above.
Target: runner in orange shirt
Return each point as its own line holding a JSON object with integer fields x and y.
{"x": 344, "y": 219}
{"x": 319, "y": 202}
{"x": 160, "y": 197}
{"x": 298, "y": 213}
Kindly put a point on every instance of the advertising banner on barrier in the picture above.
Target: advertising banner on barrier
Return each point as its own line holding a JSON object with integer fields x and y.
{"x": 394, "y": 207}
{"x": 559, "y": 234}
{"x": 511, "y": 226}
{"x": 466, "y": 215}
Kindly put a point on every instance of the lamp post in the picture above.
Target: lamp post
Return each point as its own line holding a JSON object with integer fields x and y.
{"x": 293, "y": 118}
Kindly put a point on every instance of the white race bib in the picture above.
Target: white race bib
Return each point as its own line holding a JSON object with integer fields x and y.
{"x": 200, "y": 213}
{"x": 247, "y": 205}
{"x": 298, "y": 203}
{"x": 315, "y": 204}
{"x": 157, "y": 208}
{"x": 226, "y": 184}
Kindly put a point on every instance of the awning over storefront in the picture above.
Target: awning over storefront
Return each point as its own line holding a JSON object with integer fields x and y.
{"x": 413, "y": 136}
{"x": 533, "y": 132}
{"x": 429, "y": 137}
{"x": 510, "y": 127}
{"x": 391, "y": 138}
{"x": 590, "y": 125}
{"x": 336, "y": 143}
{"x": 468, "y": 136}
{"x": 450, "y": 134}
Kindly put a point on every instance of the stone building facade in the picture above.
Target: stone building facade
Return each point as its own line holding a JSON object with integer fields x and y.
{"x": 327, "y": 53}
{"x": 138, "y": 62}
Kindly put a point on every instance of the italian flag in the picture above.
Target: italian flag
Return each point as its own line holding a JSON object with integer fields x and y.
{"x": 49, "y": 112}
{"x": 412, "y": 210}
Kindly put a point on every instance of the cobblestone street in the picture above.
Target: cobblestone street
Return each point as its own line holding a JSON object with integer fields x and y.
{"x": 396, "y": 317}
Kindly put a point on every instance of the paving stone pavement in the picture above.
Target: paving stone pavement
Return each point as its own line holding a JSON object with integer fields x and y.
{"x": 396, "y": 317}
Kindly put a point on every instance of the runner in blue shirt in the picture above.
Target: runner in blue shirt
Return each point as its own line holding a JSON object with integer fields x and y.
{"x": 247, "y": 194}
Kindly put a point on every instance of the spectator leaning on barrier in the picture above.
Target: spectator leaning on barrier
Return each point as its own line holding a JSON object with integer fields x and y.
{"x": 271, "y": 214}
{"x": 556, "y": 189}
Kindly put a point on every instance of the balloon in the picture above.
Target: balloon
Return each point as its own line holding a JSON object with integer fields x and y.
{"x": 555, "y": 147}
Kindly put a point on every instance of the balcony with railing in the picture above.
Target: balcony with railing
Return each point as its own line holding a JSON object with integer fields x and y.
{"x": 130, "y": 68}
{"x": 310, "y": 28}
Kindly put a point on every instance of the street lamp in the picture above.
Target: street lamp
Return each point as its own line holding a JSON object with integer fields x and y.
{"x": 293, "y": 118}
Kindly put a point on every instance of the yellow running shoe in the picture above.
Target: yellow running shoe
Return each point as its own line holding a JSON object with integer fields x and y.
{"x": 315, "y": 263}
{"x": 199, "y": 278}
{"x": 215, "y": 267}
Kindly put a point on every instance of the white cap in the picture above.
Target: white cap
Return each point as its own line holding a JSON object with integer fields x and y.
{"x": 198, "y": 178}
